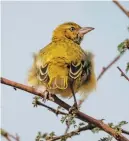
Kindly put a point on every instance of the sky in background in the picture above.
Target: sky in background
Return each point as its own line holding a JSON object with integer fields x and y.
{"x": 27, "y": 27}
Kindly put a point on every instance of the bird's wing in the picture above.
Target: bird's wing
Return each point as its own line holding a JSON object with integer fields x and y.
{"x": 83, "y": 66}
{"x": 75, "y": 69}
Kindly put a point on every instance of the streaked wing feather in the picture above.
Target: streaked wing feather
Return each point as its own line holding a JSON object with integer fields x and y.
{"x": 75, "y": 70}
{"x": 43, "y": 75}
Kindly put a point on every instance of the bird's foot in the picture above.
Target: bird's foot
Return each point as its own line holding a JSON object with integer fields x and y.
{"x": 74, "y": 109}
{"x": 47, "y": 95}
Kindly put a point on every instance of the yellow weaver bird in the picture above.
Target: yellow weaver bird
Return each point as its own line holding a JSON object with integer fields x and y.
{"x": 63, "y": 67}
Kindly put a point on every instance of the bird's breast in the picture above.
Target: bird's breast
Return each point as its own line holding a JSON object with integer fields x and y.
{"x": 63, "y": 49}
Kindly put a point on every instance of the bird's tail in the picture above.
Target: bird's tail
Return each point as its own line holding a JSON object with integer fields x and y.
{"x": 58, "y": 76}
{"x": 32, "y": 76}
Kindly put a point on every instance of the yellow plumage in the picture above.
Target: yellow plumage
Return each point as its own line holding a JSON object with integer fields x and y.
{"x": 63, "y": 61}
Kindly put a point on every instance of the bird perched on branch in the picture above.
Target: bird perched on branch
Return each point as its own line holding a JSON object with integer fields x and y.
{"x": 63, "y": 67}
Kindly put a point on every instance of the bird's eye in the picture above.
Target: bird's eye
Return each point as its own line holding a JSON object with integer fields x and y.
{"x": 72, "y": 28}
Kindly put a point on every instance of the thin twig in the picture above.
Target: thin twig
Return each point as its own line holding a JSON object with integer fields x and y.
{"x": 104, "y": 69}
{"x": 76, "y": 132}
{"x": 57, "y": 112}
{"x": 8, "y": 139}
{"x": 125, "y": 132}
{"x": 124, "y": 49}
{"x": 73, "y": 133}
{"x": 121, "y": 7}
{"x": 16, "y": 138}
{"x": 8, "y": 136}
{"x": 80, "y": 115}
{"x": 68, "y": 126}
{"x": 123, "y": 74}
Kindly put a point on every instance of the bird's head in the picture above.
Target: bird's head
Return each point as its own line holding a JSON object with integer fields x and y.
{"x": 70, "y": 31}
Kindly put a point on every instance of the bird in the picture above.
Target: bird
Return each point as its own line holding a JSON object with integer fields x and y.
{"x": 62, "y": 66}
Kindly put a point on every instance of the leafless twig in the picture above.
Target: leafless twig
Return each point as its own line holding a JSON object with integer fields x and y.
{"x": 68, "y": 126}
{"x": 104, "y": 69}
{"x": 121, "y": 7}
{"x": 123, "y": 74}
{"x": 124, "y": 131}
{"x": 124, "y": 48}
{"x": 9, "y": 136}
{"x": 57, "y": 112}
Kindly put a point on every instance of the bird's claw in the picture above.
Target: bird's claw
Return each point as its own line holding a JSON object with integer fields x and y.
{"x": 50, "y": 97}
{"x": 47, "y": 95}
{"x": 74, "y": 109}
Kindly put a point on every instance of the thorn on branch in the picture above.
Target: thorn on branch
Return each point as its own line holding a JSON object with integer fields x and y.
{"x": 15, "y": 88}
{"x": 123, "y": 74}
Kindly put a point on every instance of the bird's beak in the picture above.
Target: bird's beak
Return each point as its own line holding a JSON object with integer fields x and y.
{"x": 84, "y": 30}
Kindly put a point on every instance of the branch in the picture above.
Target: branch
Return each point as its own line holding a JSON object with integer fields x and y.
{"x": 8, "y": 136}
{"x": 122, "y": 48}
{"x": 57, "y": 112}
{"x": 125, "y": 132}
{"x": 67, "y": 128}
{"x": 73, "y": 133}
{"x": 123, "y": 74}
{"x": 78, "y": 131}
{"x": 121, "y": 7}
{"x": 104, "y": 69}
{"x": 61, "y": 103}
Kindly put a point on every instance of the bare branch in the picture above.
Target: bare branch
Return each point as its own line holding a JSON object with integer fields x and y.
{"x": 121, "y": 7}
{"x": 16, "y": 138}
{"x": 104, "y": 69}
{"x": 123, "y": 47}
{"x": 67, "y": 128}
{"x": 123, "y": 74}
{"x": 61, "y": 103}
{"x": 9, "y": 136}
{"x": 57, "y": 112}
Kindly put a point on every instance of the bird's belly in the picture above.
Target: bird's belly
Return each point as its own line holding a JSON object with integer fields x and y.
{"x": 63, "y": 93}
{"x": 66, "y": 93}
